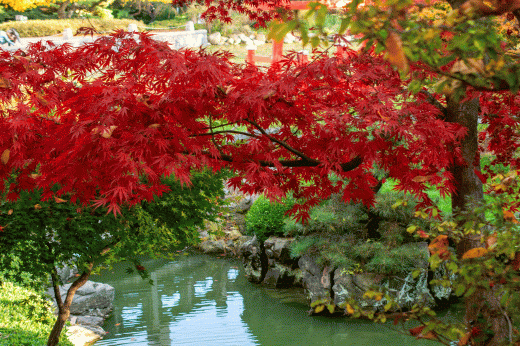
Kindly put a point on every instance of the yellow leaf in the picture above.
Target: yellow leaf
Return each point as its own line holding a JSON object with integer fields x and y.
{"x": 378, "y": 297}
{"x": 475, "y": 253}
{"x": 37, "y": 206}
{"x": 5, "y": 156}
{"x": 395, "y": 54}
{"x": 59, "y": 200}
{"x": 319, "y": 309}
{"x": 10, "y": 212}
{"x": 349, "y": 309}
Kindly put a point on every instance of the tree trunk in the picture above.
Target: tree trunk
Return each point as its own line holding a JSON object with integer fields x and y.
{"x": 64, "y": 307}
{"x": 483, "y": 310}
{"x": 61, "y": 9}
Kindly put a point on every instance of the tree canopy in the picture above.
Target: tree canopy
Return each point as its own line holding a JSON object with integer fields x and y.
{"x": 434, "y": 89}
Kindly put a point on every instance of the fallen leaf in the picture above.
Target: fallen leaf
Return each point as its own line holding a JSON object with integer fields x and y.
{"x": 37, "y": 206}
{"x": 475, "y": 253}
{"x": 509, "y": 216}
{"x": 10, "y": 212}
{"x": 395, "y": 54}
{"x": 59, "y": 200}
{"x": 5, "y": 156}
{"x": 5, "y": 83}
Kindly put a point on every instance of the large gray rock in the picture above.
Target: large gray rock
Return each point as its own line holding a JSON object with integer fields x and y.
{"x": 279, "y": 249}
{"x": 316, "y": 280}
{"x": 215, "y": 38}
{"x": 93, "y": 298}
{"x": 251, "y": 254}
{"x": 213, "y": 246}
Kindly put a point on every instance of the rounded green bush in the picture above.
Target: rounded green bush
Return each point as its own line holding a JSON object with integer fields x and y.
{"x": 266, "y": 218}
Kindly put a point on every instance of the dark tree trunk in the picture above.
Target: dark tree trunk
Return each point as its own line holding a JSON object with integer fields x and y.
{"x": 483, "y": 309}
{"x": 62, "y": 9}
{"x": 64, "y": 306}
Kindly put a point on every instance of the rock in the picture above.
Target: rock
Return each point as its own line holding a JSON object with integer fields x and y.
{"x": 93, "y": 299}
{"x": 245, "y": 39}
{"x": 251, "y": 254}
{"x": 87, "y": 320}
{"x": 280, "y": 276}
{"x": 80, "y": 336}
{"x": 132, "y": 27}
{"x": 289, "y": 38}
{"x": 213, "y": 246}
{"x": 258, "y": 42}
{"x": 67, "y": 34}
{"x": 279, "y": 249}
{"x": 67, "y": 272}
{"x": 190, "y": 26}
{"x": 215, "y": 38}
{"x": 315, "y": 280}
{"x": 230, "y": 40}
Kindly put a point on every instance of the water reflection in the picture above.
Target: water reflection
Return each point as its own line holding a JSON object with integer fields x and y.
{"x": 201, "y": 300}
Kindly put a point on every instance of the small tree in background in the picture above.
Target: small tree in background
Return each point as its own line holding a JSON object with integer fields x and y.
{"x": 45, "y": 235}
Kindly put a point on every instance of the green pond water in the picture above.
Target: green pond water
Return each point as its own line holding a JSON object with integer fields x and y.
{"x": 202, "y": 300}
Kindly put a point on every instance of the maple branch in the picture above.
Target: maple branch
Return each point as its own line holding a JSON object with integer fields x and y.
{"x": 346, "y": 166}
{"x": 282, "y": 143}
{"x": 224, "y": 131}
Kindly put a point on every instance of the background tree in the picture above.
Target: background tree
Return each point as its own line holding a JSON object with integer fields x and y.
{"x": 43, "y": 236}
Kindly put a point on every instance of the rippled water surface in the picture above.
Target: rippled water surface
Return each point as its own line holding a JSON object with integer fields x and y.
{"x": 201, "y": 300}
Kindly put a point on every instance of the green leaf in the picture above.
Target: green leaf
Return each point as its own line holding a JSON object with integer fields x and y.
{"x": 411, "y": 229}
{"x": 331, "y": 308}
{"x": 459, "y": 291}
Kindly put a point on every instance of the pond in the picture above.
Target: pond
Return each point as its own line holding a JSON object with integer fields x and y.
{"x": 204, "y": 300}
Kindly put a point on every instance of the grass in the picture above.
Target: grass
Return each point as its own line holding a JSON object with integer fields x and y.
{"x": 25, "y": 317}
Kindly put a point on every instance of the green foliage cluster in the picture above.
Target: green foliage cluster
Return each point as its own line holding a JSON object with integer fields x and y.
{"x": 26, "y": 318}
{"x": 40, "y": 28}
{"x": 43, "y": 235}
{"x": 356, "y": 238}
{"x": 267, "y": 218}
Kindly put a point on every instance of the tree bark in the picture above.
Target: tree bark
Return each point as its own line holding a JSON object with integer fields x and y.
{"x": 64, "y": 306}
{"x": 62, "y": 9}
{"x": 483, "y": 310}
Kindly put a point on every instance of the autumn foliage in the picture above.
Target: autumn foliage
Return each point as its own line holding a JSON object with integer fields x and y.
{"x": 106, "y": 128}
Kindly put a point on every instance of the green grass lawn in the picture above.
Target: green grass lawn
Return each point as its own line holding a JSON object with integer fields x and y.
{"x": 25, "y": 317}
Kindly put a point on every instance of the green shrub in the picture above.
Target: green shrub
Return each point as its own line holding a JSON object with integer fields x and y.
{"x": 40, "y": 28}
{"x": 266, "y": 218}
{"x": 25, "y": 317}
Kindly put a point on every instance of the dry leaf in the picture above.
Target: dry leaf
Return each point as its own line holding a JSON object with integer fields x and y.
{"x": 509, "y": 216}
{"x": 475, "y": 253}
{"x": 422, "y": 178}
{"x": 5, "y": 156}
{"x": 10, "y": 212}
{"x": 59, "y": 200}
{"x": 469, "y": 66}
{"x": 439, "y": 246}
{"x": 154, "y": 126}
{"x": 395, "y": 54}
{"x": 37, "y": 206}
{"x": 5, "y": 83}
{"x": 490, "y": 7}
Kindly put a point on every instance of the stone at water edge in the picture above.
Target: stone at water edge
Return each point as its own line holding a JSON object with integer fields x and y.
{"x": 80, "y": 336}
{"x": 215, "y": 38}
